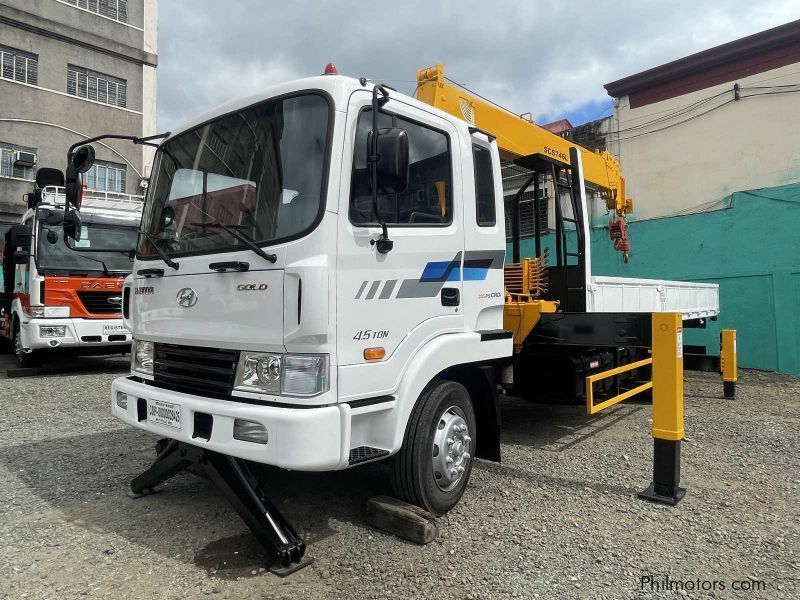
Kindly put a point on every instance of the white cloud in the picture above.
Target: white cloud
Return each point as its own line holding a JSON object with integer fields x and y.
{"x": 547, "y": 58}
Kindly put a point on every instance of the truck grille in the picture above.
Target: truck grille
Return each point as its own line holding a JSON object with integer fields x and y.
{"x": 195, "y": 370}
{"x": 101, "y": 303}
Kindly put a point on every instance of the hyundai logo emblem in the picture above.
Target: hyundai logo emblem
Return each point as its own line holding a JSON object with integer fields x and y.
{"x": 187, "y": 297}
{"x": 116, "y": 300}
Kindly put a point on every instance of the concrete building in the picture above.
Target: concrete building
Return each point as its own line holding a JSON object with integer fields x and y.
{"x": 709, "y": 148}
{"x": 72, "y": 69}
{"x": 691, "y": 132}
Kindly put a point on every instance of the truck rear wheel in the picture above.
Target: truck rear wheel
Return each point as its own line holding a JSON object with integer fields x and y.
{"x": 433, "y": 467}
{"x": 24, "y": 359}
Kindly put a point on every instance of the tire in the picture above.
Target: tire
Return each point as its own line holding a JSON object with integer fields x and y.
{"x": 421, "y": 473}
{"x": 25, "y": 360}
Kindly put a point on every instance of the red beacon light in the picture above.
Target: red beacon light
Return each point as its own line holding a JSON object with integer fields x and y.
{"x": 330, "y": 69}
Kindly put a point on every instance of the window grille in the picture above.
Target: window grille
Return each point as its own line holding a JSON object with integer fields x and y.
{"x": 106, "y": 177}
{"x": 113, "y": 9}
{"x": 92, "y": 85}
{"x": 19, "y": 66}
{"x": 7, "y": 166}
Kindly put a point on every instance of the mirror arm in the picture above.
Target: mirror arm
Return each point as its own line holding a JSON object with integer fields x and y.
{"x": 383, "y": 244}
{"x": 113, "y": 136}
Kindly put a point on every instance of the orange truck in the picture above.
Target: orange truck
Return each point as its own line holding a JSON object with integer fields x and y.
{"x": 54, "y": 298}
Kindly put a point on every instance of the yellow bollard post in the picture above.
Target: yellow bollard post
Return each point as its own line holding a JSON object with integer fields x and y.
{"x": 727, "y": 362}
{"x": 667, "y": 409}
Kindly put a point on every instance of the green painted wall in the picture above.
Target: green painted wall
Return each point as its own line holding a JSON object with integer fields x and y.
{"x": 751, "y": 249}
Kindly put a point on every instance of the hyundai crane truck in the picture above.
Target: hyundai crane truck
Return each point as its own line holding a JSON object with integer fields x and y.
{"x": 59, "y": 299}
{"x": 320, "y": 282}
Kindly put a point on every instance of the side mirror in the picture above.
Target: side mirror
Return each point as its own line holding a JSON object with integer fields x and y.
{"x": 72, "y": 187}
{"x": 72, "y": 225}
{"x": 393, "y": 160}
{"x": 21, "y": 258}
{"x": 83, "y": 159}
{"x": 21, "y": 237}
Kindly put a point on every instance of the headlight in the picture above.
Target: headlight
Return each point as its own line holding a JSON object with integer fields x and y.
{"x": 282, "y": 374}
{"x": 259, "y": 372}
{"x": 52, "y": 331}
{"x": 50, "y": 312}
{"x": 142, "y": 357}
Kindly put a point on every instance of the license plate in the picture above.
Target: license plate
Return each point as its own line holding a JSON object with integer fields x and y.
{"x": 164, "y": 413}
{"x": 107, "y": 329}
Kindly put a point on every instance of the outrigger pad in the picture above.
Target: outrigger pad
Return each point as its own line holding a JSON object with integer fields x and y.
{"x": 665, "y": 487}
{"x": 671, "y": 497}
{"x": 285, "y": 549}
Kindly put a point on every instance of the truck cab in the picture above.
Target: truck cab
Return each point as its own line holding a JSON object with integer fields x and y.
{"x": 56, "y": 298}
{"x": 312, "y": 351}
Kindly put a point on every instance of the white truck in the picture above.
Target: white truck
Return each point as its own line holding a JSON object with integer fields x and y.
{"x": 59, "y": 299}
{"x": 319, "y": 283}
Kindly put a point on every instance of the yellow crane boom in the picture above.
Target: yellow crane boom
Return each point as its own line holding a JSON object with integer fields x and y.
{"x": 520, "y": 136}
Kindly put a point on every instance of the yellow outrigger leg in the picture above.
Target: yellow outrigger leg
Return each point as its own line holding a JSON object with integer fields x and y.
{"x": 727, "y": 362}
{"x": 667, "y": 409}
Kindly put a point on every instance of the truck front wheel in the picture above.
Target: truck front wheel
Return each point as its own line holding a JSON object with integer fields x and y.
{"x": 433, "y": 467}
{"x": 24, "y": 359}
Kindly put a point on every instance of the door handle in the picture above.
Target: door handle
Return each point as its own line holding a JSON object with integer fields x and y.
{"x": 450, "y": 296}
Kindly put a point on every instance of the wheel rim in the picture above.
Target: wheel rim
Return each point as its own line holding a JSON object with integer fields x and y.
{"x": 451, "y": 448}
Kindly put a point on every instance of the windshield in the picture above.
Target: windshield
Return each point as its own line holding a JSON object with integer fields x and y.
{"x": 260, "y": 171}
{"x": 53, "y": 255}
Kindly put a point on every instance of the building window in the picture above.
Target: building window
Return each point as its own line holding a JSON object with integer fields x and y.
{"x": 91, "y": 85}
{"x": 106, "y": 177}
{"x": 18, "y": 65}
{"x": 113, "y": 9}
{"x": 8, "y": 166}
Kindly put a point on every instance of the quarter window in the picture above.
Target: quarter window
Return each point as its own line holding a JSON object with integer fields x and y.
{"x": 484, "y": 187}
{"x": 428, "y": 200}
{"x": 19, "y": 66}
{"x": 91, "y": 85}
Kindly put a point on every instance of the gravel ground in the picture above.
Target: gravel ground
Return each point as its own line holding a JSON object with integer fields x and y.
{"x": 557, "y": 519}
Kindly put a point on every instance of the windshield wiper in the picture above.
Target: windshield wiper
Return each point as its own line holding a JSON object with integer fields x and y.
{"x": 106, "y": 272}
{"x": 245, "y": 240}
{"x": 164, "y": 256}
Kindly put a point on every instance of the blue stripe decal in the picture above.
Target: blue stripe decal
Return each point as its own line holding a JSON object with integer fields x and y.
{"x": 437, "y": 271}
{"x": 475, "y": 273}
{"x": 441, "y": 271}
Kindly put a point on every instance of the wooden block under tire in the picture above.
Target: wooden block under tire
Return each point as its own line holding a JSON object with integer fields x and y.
{"x": 404, "y": 520}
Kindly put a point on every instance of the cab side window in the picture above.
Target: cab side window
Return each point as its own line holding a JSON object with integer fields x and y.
{"x": 484, "y": 187}
{"x": 428, "y": 200}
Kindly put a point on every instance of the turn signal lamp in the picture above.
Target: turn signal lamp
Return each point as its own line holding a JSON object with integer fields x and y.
{"x": 330, "y": 69}
{"x": 374, "y": 353}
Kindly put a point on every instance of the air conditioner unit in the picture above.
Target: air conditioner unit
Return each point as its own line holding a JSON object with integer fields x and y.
{"x": 24, "y": 159}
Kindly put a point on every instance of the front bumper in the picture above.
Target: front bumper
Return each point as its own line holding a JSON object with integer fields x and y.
{"x": 303, "y": 439}
{"x": 78, "y": 333}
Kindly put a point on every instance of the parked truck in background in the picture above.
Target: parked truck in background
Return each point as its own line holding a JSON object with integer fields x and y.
{"x": 320, "y": 282}
{"x": 58, "y": 299}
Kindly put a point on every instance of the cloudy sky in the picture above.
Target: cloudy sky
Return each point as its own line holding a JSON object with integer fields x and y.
{"x": 549, "y": 58}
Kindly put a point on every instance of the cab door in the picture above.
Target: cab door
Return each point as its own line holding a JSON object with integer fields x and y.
{"x": 400, "y": 300}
